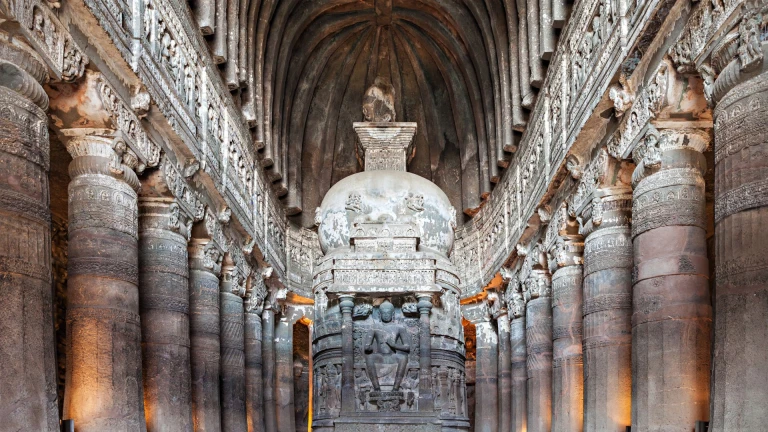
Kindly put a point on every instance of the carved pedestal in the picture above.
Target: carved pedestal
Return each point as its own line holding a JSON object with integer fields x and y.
{"x": 567, "y": 360}
{"x": 164, "y": 307}
{"x": 28, "y": 382}
{"x": 204, "y": 328}
{"x": 233, "y": 414}
{"x": 104, "y": 379}
{"x": 538, "y": 332}
{"x": 672, "y": 315}
{"x": 607, "y": 312}
{"x": 739, "y": 380}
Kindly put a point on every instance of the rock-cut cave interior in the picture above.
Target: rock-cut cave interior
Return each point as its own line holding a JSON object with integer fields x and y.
{"x": 383, "y": 215}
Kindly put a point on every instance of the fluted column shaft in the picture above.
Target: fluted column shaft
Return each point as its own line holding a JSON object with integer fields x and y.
{"x": 254, "y": 388}
{"x": 164, "y": 308}
{"x": 204, "y": 269}
{"x": 608, "y": 314}
{"x": 268, "y": 368}
{"x": 284, "y": 396}
{"x": 104, "y": 376}
{"x": 486, "y": 378}
{"x": 233, "y": 413}
{"x": 505, "y": 372}
{"x": 739, "y": 380}
{"x": 567, "y": 360}
{"x": 672, "y": 316}
{"x": 519, "y": 373}
{"x": 28, "y": 381}
{"x": 538, "y": 332}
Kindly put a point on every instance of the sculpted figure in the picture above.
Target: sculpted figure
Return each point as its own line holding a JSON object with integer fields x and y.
{"x": 386, "y": 343}
{"x": 379, "y": 102}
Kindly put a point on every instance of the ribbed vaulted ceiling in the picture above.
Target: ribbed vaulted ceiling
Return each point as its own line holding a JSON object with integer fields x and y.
{"x": 454, "y": 64}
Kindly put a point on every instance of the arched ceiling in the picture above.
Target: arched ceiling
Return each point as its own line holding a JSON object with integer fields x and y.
{"x": 454, "y": 67}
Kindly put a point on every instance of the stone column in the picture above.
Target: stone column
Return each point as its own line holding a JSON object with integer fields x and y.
{"x": 204, "y": 269}
{"x": 164, "y": 308}
{"x": 254, "y": 383}
{"x": 233, "y": 414}
{"x": 538, "y": 333}
{"x": 739, "y": 378}
{"x": 426, "y": 398}
{"x": 28, "y": 381}
{"x": 487, "y": 364}
{"x": 346, "y": 304}
{"x": 104, "y": 379}
{"x": 672, "y": 315}
{"x": 519, "y": 354}
{"x": 607, "y": 310}
{"x": 284, "y": 391}
{"x": 268, "y": 377}
{"x": 505, "y": 371}
{"x": 567, "y": 360}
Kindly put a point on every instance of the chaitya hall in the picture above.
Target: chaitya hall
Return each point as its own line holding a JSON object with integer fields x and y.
{"x": 384, "y": 215}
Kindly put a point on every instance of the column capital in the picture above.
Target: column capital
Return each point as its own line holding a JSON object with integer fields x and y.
{"x": 476, "y": 312}
{"x": 670, "y": 146}
{"x": 205, "y": 255}
{"x": 538, "y": 284}
{"x": 101, "y": 151}
{"x": 256, "y": 292}
{"x": 164, "y": 213}
{"x": 22, "y": 71}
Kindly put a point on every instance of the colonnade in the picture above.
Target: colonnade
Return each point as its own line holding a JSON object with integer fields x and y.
{"x": 624, "y": 334}
{"x": 165, "y": 329}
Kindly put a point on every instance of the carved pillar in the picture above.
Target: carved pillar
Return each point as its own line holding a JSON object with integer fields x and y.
{"x": 284, "y": 391}
{"x": 739, "y": 380}
{"x": 518, "y": 354}
{"x": 233, "y": 415}
{"x": 672, "y": 315}
{"x": 268, "y": 377}
{"x": 486, "y": 374}
{"x": 104, "y": 379}
{"x": 607, "y": 310}
{"x": 204, "y": 268}
{"x": 164, "y": 308}
{"x": 505, "y": 371}
{"x": 254, "y": 383}
{"x": 347, "y": 355}
{"x": 28, "y": 382}
{"x": 426, "y": 399}
{"x": 538, "y": 332}
{"x": 567, "y": 360}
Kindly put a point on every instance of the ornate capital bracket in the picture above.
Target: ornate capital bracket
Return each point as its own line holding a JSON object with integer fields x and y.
{"x": 48, "y": 36}
{"x": 101, "y": 151}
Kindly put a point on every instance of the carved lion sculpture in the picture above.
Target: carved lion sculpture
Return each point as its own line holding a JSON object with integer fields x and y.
{"x": 379, "y": 102}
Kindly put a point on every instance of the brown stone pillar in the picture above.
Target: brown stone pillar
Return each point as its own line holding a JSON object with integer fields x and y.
{"x": 538, "y": 333}
{"x": 233, "y": 414}
{"x": 268, "y": 368}
{"x": 164, "y": 308}
{"x": 487, "y": 364}
{"x": 28, "y": 381}
{"x": 104, "y": 379}
{"x": 346, "y": 304}
{"x": 505, "y": 371}
{"x": 567, "y": 360}
{"x": 607, "y": 311}
{"x": 519, "y": 354}
{"x": 739, "y": 378}
{"x": 284, "y": 391}
{"x": 204, "y": 269}
{"x": 672, "y": 314}
{"x": 254, "y": 383}
{"x": 426, "y": 398}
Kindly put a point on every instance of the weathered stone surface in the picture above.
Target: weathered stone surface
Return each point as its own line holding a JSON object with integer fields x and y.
{"x": 104, "y": 376}
{"x": 538, "y": 334}
{"x": 739, "y": 383}
{"x": 233, "y": 405}
{"x": 164, "y": 310}
{"x": 27, "y": 352}
{"x": 567, "y": 358}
